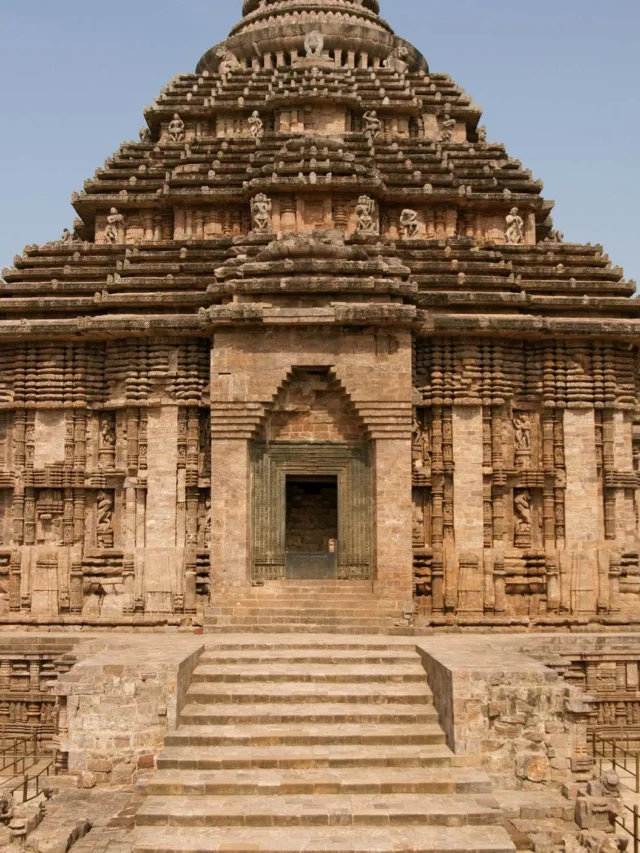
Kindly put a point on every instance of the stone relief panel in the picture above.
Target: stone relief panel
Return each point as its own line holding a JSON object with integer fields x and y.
{"x": 534, "y": 563}
{"x": 74, "y": 474}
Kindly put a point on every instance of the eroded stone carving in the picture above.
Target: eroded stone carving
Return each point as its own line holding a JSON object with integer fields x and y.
{"x": 409, "y": 225}
{"x": 314, "y": 44}
{"x": 373, "y": 125}
{"x": 115, "y": 224}
{"x": 366, "y": 213}
{"x": 448, "y": 128}
{"x": 228, "y": 61}
{"x": 176, "y": 129}
{"x": 104, "y": 519}
{"x": 261, "y": 207}
{"x": 256, "y": 125}
{"x": 515, "y": 227}
{"x": 397, "y": 60}
{"x": 482, "y": 134}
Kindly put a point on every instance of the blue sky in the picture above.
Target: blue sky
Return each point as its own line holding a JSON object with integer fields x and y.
{"x": 559, "y": 81}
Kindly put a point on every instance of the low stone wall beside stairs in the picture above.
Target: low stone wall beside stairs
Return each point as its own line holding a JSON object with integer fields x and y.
{"x": 118, "y": 705}
{"x": 524, "y": 725}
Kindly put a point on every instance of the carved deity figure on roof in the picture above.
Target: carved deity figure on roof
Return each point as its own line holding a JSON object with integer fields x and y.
{"x": 314, "y": 44}
{"x": 396, "y": 61}
{"x": 228, "y": 61}
{"x": 372, "y": 124}
{"x": 515, "y": 227}
{"x": 176, "y": 129}
{"x": 256, "y": 125}
{"x": 115, "y": 221}
{"x": 261, "y": 214}
{"x": 448, "y": 128}
{"x": 409, "y": 225}
{"x": 482, "y": 134}
{"x": 366, "y": 213}
{"x": 145, "y": 134}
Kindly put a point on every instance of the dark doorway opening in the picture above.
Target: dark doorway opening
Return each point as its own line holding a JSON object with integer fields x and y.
{"x": 311, "y": 534}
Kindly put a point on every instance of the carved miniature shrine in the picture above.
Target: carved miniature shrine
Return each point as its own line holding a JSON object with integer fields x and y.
{"x": 316, "y": 324}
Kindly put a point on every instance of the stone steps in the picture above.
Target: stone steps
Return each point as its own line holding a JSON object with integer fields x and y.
{"x": 312, "y": 606}
{"x": 340, "y": 673}
{"x": 295, "y": 757}
{"x": 300, "y": 692}
{"x": 297, "y": 734}
{"x": 269, "y": 713}
{"x": 314, "y": 810}
{"x": 326, "y": 747}
{"x": 347, "y": 780}
{"x": 323, "y": 839}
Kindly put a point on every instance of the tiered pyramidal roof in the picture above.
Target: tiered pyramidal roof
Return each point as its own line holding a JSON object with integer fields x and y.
{"x": 313, "y": 116}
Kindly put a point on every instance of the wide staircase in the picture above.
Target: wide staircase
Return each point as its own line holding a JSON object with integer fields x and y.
{"x": 283, "y": 607}
{"x": 289, "y": 746}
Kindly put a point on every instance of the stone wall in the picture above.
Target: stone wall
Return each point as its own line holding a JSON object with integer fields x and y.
{"x": 118, "y": 704}
{"x": 517, "y": 717}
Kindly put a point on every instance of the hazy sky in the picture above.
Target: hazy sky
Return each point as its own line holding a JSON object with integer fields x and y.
{"x": 559, "y": 81}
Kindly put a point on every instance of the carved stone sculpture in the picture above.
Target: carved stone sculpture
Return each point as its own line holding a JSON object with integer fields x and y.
{"x": 396, "y": 60}
{"x": 176, "y": 129}
{"x": 555, "y": 237}
{"x": 482, "y": 134}
{"x": 261, "y": 214}
{"x": 522, "y": 426}
{"x": 115, "y": 221}
{"x": 366, "y": 213}
{"x": 373, "y": 125}
{"x": 448, "y": 128}
{"x": 314, "y": 44}
{"x": 515, "y": 227}
{"x": 409, "y": 225}
{"x": 104, "y": 519}
{"x": 145, "y": 134}
{"x": 68, "y": 237}
{"x": 256, "y": 125}
{"x": 228, "y": 61}
{"x": 522, "y": 510}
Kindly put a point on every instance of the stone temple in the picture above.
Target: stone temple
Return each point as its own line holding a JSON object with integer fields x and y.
{"x": 315, "y": 359}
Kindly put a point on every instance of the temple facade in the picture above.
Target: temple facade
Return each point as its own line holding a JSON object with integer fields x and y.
{"x": 315, "y": 326}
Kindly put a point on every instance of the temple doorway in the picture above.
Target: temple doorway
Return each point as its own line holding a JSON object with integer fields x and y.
{"x": 311, "y": 527}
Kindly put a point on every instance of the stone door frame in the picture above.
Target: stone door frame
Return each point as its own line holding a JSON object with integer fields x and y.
{"x": 350, "y": 462}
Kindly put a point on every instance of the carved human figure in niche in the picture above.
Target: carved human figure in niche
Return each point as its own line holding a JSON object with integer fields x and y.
{"x": 522, "y": 506}
{"x": 372, "y": 124}
{"x": 176, "y": 129}
{"x": 515, "y": 227}
{"x": 396, "y": 61}
{"x": 207, "y": 522}
{"x": 256, "y": 125}
{"x": 115, "y": 221}
{"x": 314, "y": 44}
{"x": 448, "y": 128}
{"x": 261, "y": 214}
{"x": 418, "y": 524}
{"x": 107, "y": 433}
{"x": 104, "y": 513}
{"x": 228, "y": 61}
{"x": 522, "y": 427}
{"x": 365, "y": 211}
{"x": 482, "y": 134}
{"x": 409, "y": 224}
